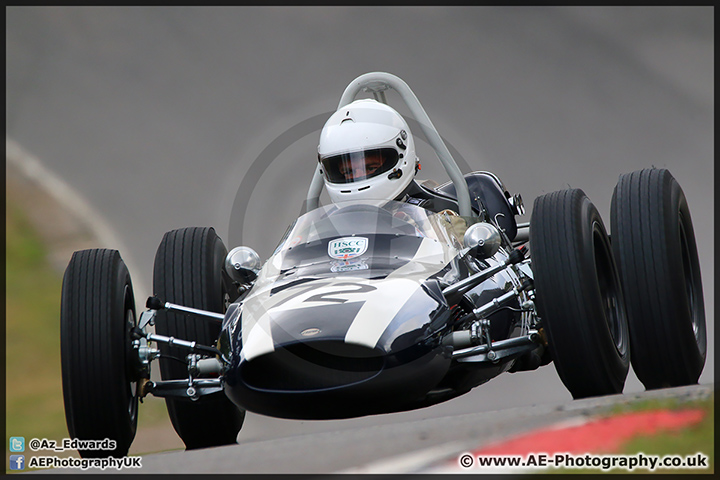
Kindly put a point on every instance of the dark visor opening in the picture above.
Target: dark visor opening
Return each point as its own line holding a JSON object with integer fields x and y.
{"x": 356, "y": 166}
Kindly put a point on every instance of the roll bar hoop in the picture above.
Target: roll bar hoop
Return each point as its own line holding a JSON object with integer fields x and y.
{"x": 377, "y": 83}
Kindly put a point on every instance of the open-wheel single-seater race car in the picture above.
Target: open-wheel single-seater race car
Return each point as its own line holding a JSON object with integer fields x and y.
{"x": 378, "y": 306}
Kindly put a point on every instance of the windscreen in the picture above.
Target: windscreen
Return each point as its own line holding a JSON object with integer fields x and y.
{"x": 367, "y": 239}
{"x": 359, "y": 263}
{"x": 365, "y": 217}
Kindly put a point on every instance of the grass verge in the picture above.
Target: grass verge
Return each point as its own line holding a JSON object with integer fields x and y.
{"x": 687, "y": 443}
{"x": 32, "y": 354}
{"x": 34, "y": 401}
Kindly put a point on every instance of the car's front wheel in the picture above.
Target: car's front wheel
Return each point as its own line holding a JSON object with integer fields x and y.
{"x": 99, "y": 375}
{"x": 188, "y": 271}
{"x": 579, "y": 297}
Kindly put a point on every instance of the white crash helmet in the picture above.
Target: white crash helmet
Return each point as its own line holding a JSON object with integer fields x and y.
{"x": 366, "y": 152}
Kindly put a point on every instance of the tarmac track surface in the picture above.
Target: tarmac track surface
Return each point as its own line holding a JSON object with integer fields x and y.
{"x": 155, "y": 116}
{"x": 408, "y": 447}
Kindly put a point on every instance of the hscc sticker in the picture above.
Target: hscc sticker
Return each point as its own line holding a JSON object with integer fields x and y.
{"x": 347, "y": 247}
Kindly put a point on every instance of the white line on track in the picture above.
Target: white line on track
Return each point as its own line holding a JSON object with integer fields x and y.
{"x": 32, "y": 168}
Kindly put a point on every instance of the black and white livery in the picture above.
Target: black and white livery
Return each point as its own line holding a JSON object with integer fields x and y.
{"x": 372, "y": 306}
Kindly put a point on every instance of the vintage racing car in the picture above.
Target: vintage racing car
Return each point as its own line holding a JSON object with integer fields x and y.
{"x": 375, "y": 306}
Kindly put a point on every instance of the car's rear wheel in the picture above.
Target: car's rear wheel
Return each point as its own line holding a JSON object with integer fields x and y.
{"x": 188, "y": 271}
{"x": 99, "y": 375}
{"x": 655, "y": 247}
{"x": 579, "y": 297}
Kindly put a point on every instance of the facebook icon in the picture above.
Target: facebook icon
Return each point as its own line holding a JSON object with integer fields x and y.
{"x": 17, "y": 462}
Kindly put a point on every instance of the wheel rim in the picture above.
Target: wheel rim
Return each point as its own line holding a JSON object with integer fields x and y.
{"x": 132, "y": 384}
{"x": 610, "y": 291}
{"x": 690, "y": 286}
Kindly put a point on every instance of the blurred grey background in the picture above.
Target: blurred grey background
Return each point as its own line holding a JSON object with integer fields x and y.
{"x": 156, "y": 115}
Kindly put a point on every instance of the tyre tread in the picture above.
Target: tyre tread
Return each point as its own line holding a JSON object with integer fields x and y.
{"x": 645, "y": 205}
{"x": 561, "y": 269}
{"x": 93, "y": 370}
{"x": 185, "y": 266}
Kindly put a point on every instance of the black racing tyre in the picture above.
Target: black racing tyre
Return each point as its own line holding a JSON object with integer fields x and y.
{"x": 189, "y": 271}
{"x": 99, "y": 376}
{"x": 578, "y": 294}
{"x": 655, "y": 248}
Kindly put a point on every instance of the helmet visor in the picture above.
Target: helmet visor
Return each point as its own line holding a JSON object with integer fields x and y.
{"x": 356, "y": 166}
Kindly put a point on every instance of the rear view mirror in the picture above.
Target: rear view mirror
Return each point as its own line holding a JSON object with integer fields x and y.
{"x": 483, "y": 240}
{"x": 243, "y": 264}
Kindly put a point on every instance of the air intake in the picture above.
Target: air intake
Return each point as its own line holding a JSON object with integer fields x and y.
{"x": 312, "y": 366}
